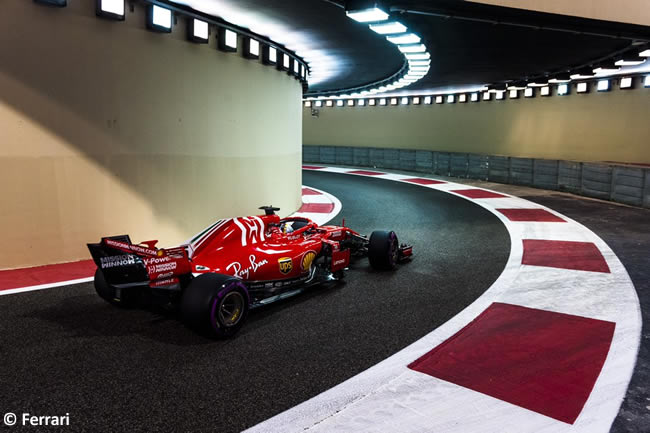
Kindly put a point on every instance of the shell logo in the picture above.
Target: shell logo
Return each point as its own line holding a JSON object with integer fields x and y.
{"x": 307, "y": 260}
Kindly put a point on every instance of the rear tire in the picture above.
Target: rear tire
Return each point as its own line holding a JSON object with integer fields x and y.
{"x": 383, "y": 250}
{"x": 215, "y": 305}
{"x": 128, "y": 297}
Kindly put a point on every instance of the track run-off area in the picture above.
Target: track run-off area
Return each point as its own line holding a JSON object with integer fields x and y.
{"x": 510, "y": 318}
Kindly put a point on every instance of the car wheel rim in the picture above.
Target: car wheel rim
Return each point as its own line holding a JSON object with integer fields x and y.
{"x": 231, "y": 309}
{"x": 394, "y": 251}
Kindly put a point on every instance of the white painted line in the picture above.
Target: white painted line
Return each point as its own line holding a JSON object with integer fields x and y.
{"x": 391, "y": 397}
{"x": 44, "y": 286}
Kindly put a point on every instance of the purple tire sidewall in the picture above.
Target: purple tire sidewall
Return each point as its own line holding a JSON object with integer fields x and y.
{"x": 217, "y": 299}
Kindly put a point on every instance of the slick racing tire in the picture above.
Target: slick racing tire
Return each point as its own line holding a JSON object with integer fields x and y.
{"x": 128, "y": 297}
{"x": 383, "y": 250}
{"x": 215, "y": 305}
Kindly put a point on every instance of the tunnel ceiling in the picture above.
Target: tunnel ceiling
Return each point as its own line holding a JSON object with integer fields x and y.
{"x": 470, "y": 44}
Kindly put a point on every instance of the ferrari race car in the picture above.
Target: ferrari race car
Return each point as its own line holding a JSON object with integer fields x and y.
{"x": 234, "y": 265}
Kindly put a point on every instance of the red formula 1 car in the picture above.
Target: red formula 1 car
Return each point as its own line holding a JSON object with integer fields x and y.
{"x": 235, "y": 265}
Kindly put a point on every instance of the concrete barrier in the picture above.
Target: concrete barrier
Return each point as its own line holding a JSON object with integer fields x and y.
{"x": 615, "y": 182}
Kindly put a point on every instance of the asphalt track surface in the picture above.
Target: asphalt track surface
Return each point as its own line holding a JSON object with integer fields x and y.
{"x": 63, "y": 350}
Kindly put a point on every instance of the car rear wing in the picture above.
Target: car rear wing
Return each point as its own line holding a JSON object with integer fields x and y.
{"x": 125, "y": 264}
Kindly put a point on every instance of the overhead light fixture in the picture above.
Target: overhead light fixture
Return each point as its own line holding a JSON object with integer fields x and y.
{"x": 382, "y": 101}
{"x": 545, "y": 91}
{"x": 307, "y": 103}
{"x": 416, "y": 100}
{"x": 55, "y": 3}
{"x": 389, "y": 28}
{"x": 111, "y": 9}
{"x": 227, "y": 40}
{"x": 428, "y": 100}
{"x": 350, "y": 102}
{"x": 646, "y": 81}
{"x": 474, "y": 97}
{"x": 393, "y": 101}
{"x": 412, "y": 48}
{"x": 409, "y": 38}
{"x": 582, "y": 74}
{"x": 462, "y": 98}
{"x": 563, "y": 89}
{"x": 451, "y": 99}
{"x": 630, "y": 60}
{"x": 318, "y": 103}
{"x": 368, "y": 13}
{"x": 404, "y": 101}
{"x": 487, "y": 96}
{"x": 418, "y": 56}
{"x": 361, "y": 102}
{"x": 501, "y": 95}
{"x": 159, "y": 19}
{"x": 604, "y": 86}
{"x": 269, "y": 55}
{"x": 339, "y": 102}
{"x": 296, "y": 68}
{"x": 514, "y": 94}
{"x": 627, "y": 83}
{"x": 285, "y": 65}
{"x": 606, "y": 67}
{"x": 439, "y": 99}
{"x": 329, "y": 103}
{"x": 560, "y": 78}
{"x": 198, "y": 31}
{"x": 251, "y": 48}
{"x": 371, "y": 102}
{"x": 582, "y": 87}
{"x": 529, "y": 92}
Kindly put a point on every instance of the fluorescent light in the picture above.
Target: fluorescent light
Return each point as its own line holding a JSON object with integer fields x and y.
{"x": 269, "y": 55}
{"x": 487, "y": 96}
{"x": 371, "y": 102}
{"x": 254, "y": 47}
{"x": 329, "y": 103}
{"x": 404, "y": 101}
{"x": 545, "y": 91}
{"x": 286, "y": 61}
{"x": 563, "y": 89}
{"x": 350, "y": 102}
{"x": 382, "y": 101}
{"x": 626, "y": 83}
{"x": 439, "y": 99}
{"x": 416, "y": 100}
{"x": 393, "y": 101}
{"x": 514, "y": 94}
{"x": 296, "y": 67}
{"x": 319, "y": 103}
{"x": 451, "y": 99}
{"x": 389, "y": 28}
{"x": 339, "y": 102}
{"x": 307, "y": 103}
{"x": 368, "y": 15}
{"x": 418, "y": 56}
{"x": 646, "y": 82}
{"x": 361, "y": 102}
{"x": 161, "y": 17}
{"x": 474, "y": 97}
{"x": 603, "y": 86}
{"x": 111, "y": 9}
{"x": 582, "y": 87}
{"x": 427, "y": 100}
{"x": 199, "y": 30}
{"x": 529, "y": 92}
{"x": 409, "y": 38}
{"x": 231, "y": 39}
{"x": 415, "y": 48}
{"x": 501, "y": 94}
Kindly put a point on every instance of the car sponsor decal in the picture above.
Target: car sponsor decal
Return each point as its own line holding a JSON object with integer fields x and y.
{"x": 285, "y": 264}
{"x": 165, "y": 267}
{"x": 307, "y": 259}
{"x": 252, "y": 229}
{"x": 240, "y": 272}
{"x": 115, "y": 261}
{"x": 134, "y": 248}
{"x": 339, "y": 262}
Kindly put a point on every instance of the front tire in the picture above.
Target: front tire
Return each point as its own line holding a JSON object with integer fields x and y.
{"x": 383, "y": 250}
{"x": 215, "y": 305}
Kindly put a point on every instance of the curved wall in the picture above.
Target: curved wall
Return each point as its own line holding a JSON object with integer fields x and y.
{"x": 611, "y": 126}
{"x": 106, "y": 128}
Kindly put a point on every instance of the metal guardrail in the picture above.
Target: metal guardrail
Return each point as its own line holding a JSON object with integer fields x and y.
{"x": 607, "y": 181}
